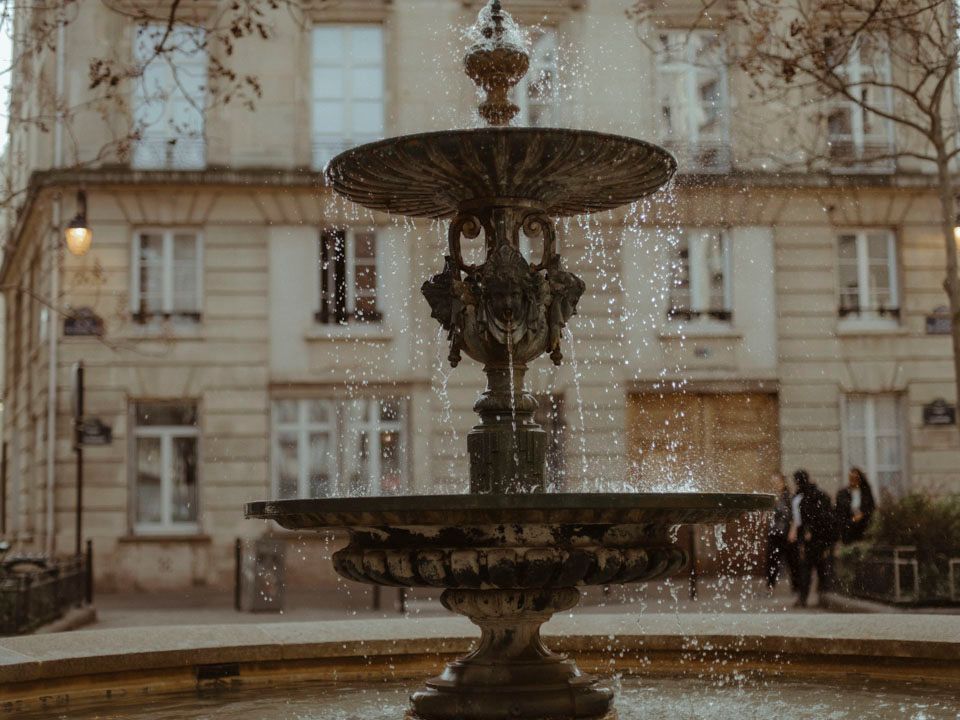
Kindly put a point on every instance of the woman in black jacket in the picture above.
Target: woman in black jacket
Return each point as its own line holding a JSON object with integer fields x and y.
{"x": 855, "y": 506}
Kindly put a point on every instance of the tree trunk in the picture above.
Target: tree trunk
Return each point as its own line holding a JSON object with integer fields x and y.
{"x": 951, "y": 283}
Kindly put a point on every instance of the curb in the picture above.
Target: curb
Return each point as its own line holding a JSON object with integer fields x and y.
{"x": 74, "y": 618}
{"x": 847, "y": 604}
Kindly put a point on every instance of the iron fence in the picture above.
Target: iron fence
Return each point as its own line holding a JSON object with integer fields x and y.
{"x": 36, "y": 591}
{"x": 898, "y": 575}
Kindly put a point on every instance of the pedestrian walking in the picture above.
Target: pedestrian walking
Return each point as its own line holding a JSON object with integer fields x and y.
{"x": 855, "y": 506}
{"x": 815, "y": 532}
{"x": 778, "y": 529}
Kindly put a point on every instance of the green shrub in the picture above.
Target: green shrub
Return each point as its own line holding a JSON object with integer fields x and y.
{"x": 930, "y": 524}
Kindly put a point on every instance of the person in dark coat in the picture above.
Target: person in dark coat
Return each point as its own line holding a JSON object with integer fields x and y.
{"x": 855, "y": 506}
{"x": 815, "y": 531}
{"x": 778, "y": 548}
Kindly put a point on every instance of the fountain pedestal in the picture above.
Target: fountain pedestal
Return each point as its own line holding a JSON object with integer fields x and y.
{"x": 511, "y": 673}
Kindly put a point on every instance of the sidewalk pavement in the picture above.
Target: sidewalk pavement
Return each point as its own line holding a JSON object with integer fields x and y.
{"x": 208, "y": 607}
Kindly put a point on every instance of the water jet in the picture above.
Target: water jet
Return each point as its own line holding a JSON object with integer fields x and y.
{"x": 508, "y": 555}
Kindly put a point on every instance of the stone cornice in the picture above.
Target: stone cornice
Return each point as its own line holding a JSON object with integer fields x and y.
{"x": 372, "y": 11}
{"x": 44, "y": 183}
{"x": 805, "y": 181}
{"x": 532, "y": 11}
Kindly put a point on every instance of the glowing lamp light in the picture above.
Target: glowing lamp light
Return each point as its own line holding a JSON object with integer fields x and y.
{"x": 78, "y": 239}
{"x": 78, "y": 234}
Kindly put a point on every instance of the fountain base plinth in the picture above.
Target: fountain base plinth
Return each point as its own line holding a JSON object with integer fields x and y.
{"x": 511, "y": 673}
{"x": 611, "y": 715}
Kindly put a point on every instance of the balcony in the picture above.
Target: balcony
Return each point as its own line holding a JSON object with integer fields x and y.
{"x": 165, "y": 153}
{"x": 850, "y": 155}
{"x": 713, "y": 157}
{"x": 326, "y": 148}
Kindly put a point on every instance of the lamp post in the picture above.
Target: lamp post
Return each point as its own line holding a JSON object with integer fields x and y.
{"x": 77, "y": 233}
{"x": 78, "y": 411}
{"x": 78, "y": 237}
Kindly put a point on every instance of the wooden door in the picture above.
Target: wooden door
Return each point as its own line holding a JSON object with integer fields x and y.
{"x": 709, "y": 443}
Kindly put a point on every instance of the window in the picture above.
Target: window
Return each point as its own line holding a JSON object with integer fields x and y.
{"x": 348, "y": 88}
{"x": 701, "y": 277}
{"x": 167, "y": 274}
{"x": 327, "y": 447}
{"x": 348, "y": 277}
{"x": 536, "y": 93}
{"x": 551, "y": 418}
{"x": 873, "y": 441}
{"x": 855, "y": 136}
{"x": 169, "y": 98}
{"x": 692, "y": 86}
{"x": 867, "y": 266}
{"x": 165, "y": 467}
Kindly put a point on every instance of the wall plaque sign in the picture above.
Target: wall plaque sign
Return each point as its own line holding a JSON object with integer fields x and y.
{"x": 938, "y": 322}
{"x": 83, "y": 321}
{"x": 939, "y": 412}
{"x": 93, "y": 431}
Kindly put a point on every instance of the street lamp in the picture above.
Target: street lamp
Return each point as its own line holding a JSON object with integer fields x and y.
{"x": 77, "y": 233}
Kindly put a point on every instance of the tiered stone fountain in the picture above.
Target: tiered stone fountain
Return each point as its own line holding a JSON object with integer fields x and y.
{"x": 508, "y": 555}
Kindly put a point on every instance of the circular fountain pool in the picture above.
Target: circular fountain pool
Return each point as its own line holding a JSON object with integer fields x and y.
{"x": 637, "y": 699}
{"x": 675, "y": 666}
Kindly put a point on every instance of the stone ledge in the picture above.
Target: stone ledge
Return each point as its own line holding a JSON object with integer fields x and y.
{"x": 92, "y": 663}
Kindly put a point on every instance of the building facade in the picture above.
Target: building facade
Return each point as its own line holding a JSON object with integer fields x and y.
{"x": 261, "y": 338}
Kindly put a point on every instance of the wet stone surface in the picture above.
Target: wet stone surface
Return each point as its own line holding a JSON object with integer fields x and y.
{"x": 638, "y": 699}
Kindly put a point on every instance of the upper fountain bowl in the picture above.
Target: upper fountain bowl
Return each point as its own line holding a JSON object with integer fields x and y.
{"x": 561, "y": 172}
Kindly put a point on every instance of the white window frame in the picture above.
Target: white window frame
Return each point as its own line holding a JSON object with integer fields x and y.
{"x": 325, "y": 146}
{"x": 303, "y": 428}
{"x": 699, "y": 305}
{"x": 543, "y": 56}
{"x": 166, "y": 311}
{"x": 693, "y": 149}
{"x": 167, "y": 434}
{"x": 856, "y": 72}
{"x": 172, "y": 155}
{"x": 864, "y": 287}
{"x": 870, "y": 435}
{"x": 350, "y": 267}
{"x": 373, "y": 426}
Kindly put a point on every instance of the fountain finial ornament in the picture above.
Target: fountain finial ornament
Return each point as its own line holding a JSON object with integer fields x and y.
{"x": 497, "y": 61}
{"x": 509, "y": 554}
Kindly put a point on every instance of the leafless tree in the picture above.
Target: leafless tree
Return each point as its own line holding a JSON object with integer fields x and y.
{"x": 218, "y": 29}
{"x": 165, "y": 33}
{"x": 795, "y": 51}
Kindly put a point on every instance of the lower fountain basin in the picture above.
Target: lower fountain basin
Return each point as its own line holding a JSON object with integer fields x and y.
{"x": 716, "y": 666}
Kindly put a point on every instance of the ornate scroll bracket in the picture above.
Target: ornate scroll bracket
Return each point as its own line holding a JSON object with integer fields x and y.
{"x": 504, "y": 313}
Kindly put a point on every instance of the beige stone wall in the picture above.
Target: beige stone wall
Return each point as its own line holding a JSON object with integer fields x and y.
{"x": 258, "y": 341}
{"x": 819, "y": 363}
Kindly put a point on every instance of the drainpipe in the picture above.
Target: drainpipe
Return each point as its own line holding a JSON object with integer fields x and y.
{"x": 53, "y": 323}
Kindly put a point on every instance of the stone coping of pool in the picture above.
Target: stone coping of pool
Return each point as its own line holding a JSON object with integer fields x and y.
{"x": 106, "y": 663}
